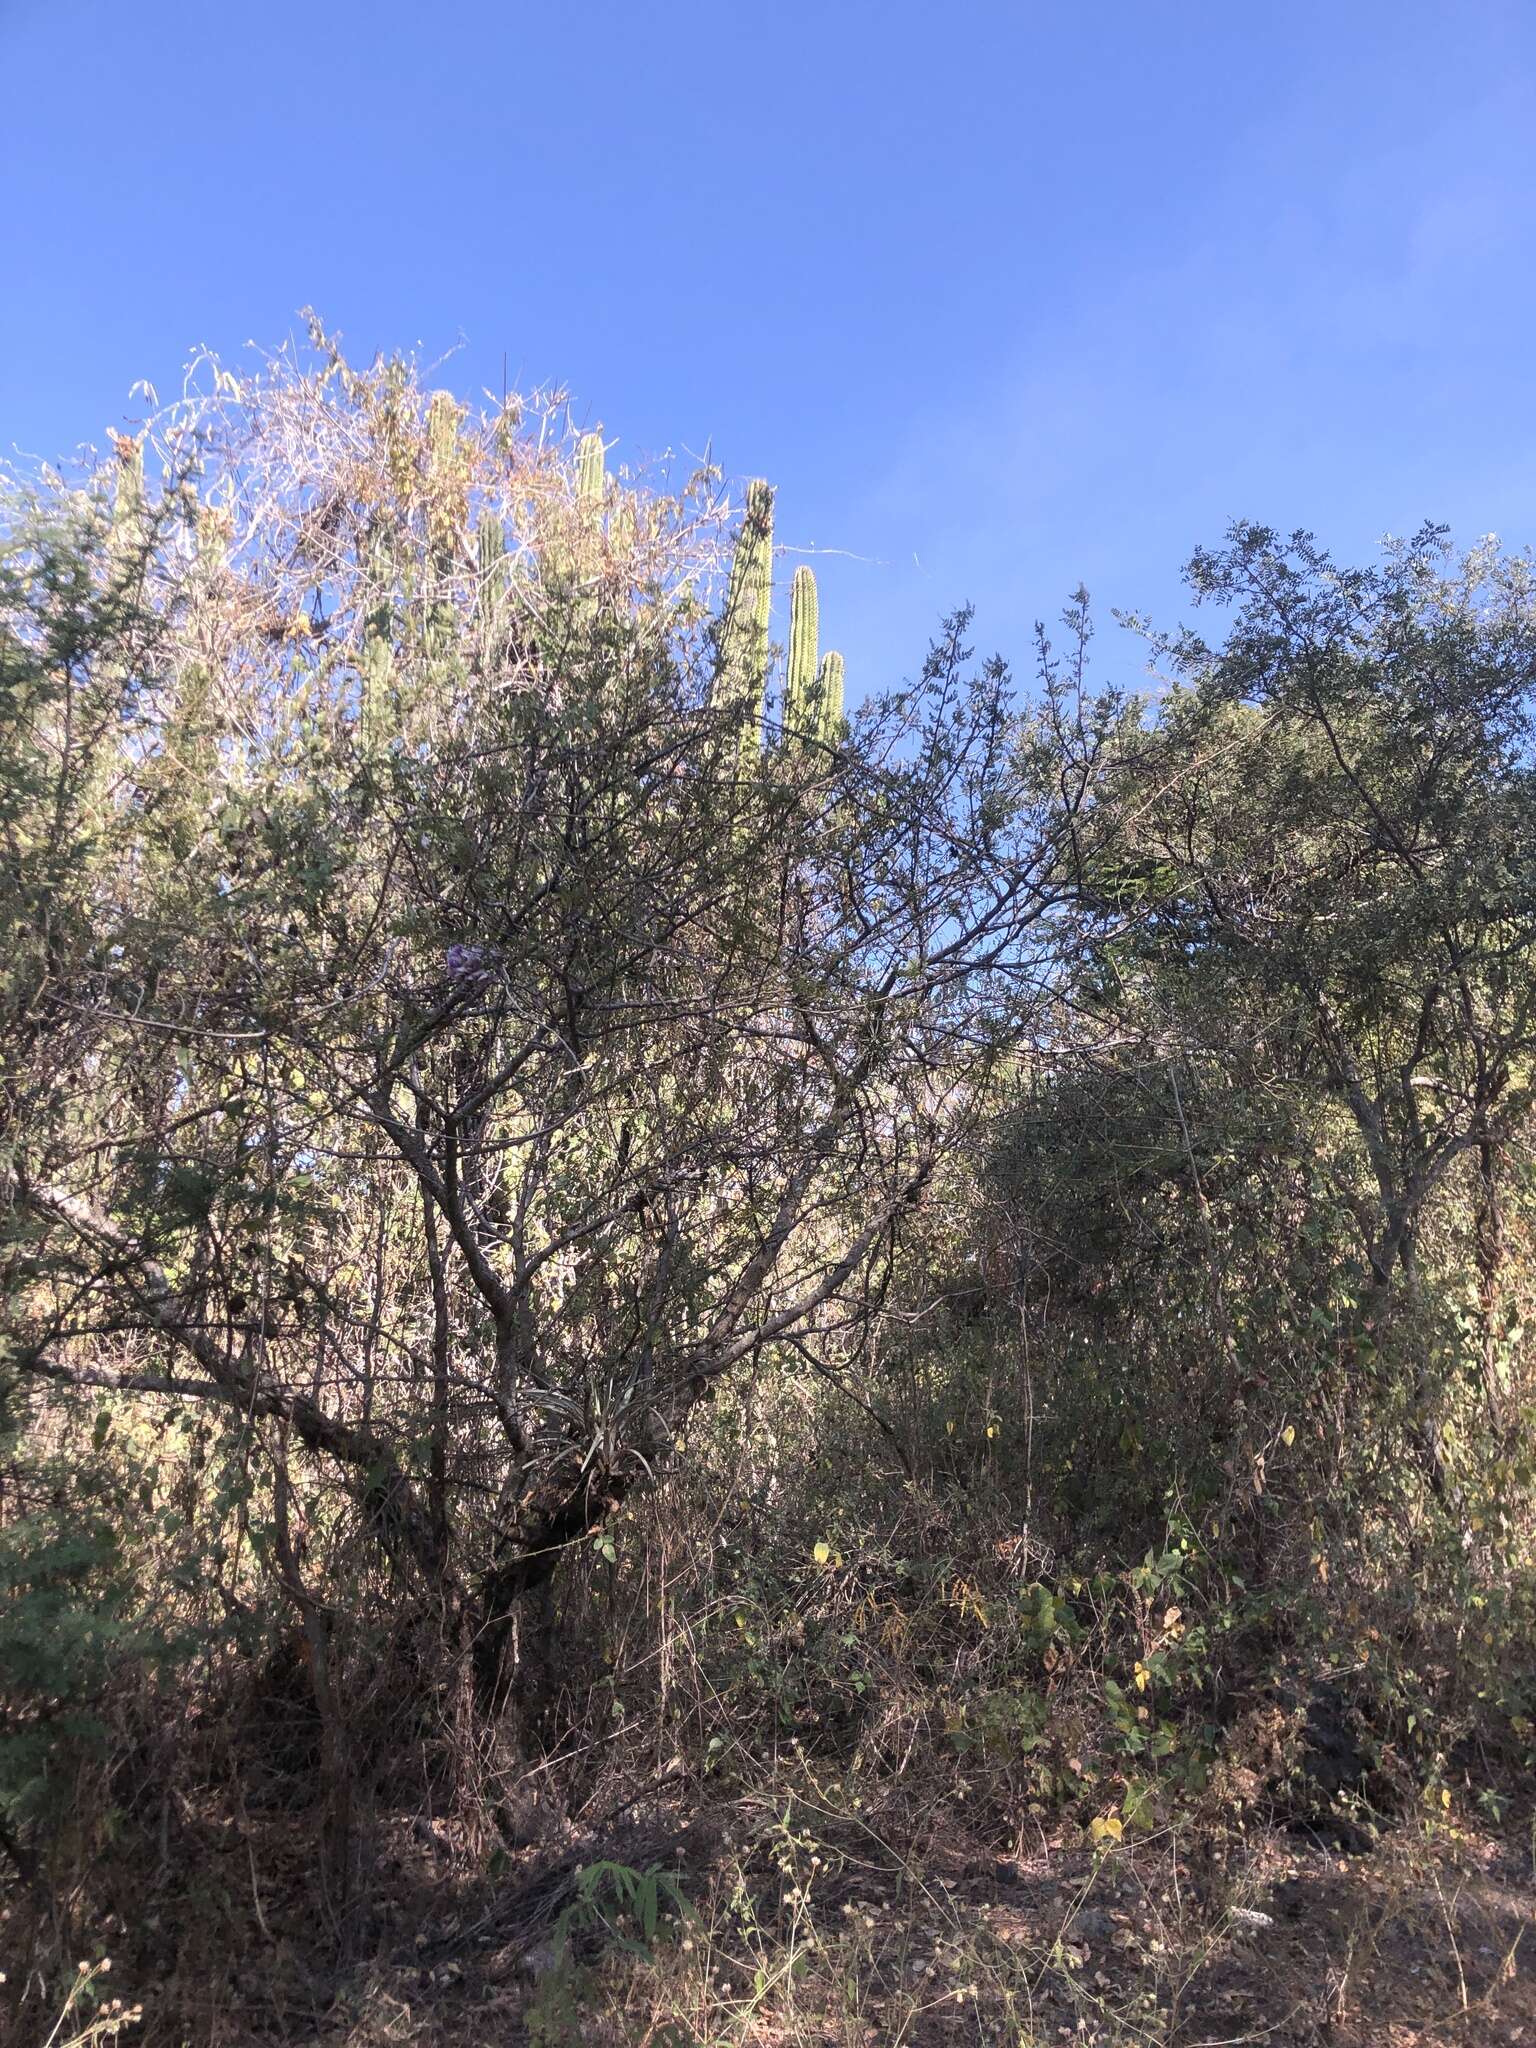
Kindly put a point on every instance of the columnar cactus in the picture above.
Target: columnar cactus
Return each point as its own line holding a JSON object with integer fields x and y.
{"x": 447, "y": 514}
{"x": 569, "y": 551}
{"x": 491, "y": 591}
{"x": 443, "y": 429}
{"x": 800, "y": 701}
{"x": 590, "y": 476}
{"x": 829, "y": 691}
{"x": 741, "y": 674}
{"x": 377, "y": 660}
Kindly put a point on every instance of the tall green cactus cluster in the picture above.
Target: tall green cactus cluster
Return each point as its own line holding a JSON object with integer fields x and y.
{"x": 813, "y": 694}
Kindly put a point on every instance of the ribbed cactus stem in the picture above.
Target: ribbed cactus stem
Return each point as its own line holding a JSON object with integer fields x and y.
{"x": 830, "y": 704}
{"x": 212, "y": 538}
{"x": 591, "y": 478}
{"x": 491, "y": 546}
{"x": 378, "y": 673}
{"x": 447, "y": 514}
{"x": 623, "y": 523}
{"x": 569, "y": 554}
{"x": 491, "y": 541}
{"x": 743, "y": 664}
{"x": 443, "y": 429}
{"x": 377, "y": 659}
{"x": 800, "y": 673}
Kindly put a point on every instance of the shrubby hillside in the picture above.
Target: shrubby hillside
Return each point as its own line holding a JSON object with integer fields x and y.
{"x": 692, "y": 1359}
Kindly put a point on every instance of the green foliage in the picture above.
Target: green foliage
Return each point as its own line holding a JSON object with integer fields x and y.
{"x": 992, "y": 1261}
{"x": 431, "y": 1042}
{"x": 72, "y": 1631}
{"x": 65, "y": 1631}
{"x": 627, "y": 1907}
{"x": 614, "y": 1909}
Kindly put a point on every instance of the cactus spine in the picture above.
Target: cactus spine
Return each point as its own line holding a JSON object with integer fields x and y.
{"x": 742, "y": 669}
{"x": 800, "y": 717}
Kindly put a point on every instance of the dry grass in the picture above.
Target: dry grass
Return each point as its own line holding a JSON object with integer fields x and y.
{"x": 809, "y": 1920}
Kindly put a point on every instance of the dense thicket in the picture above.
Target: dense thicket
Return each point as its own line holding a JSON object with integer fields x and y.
{"x": 552, "y": 1179}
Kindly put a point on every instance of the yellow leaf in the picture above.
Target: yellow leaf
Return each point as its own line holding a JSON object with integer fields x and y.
{"x": 1106, "y": 1827}
{"x": 1288, "y": 1435}
{"x": 1142, "y": 1676}
{"x": 822, "y": 1552}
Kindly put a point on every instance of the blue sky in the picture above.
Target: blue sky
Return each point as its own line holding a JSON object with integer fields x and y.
{"x": 1001, "y": 295}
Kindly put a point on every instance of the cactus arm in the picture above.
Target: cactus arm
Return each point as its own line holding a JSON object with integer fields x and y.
{"x": 800, "y": 679}
{"x": 591, "y": 478}
{"x": 491, "y": 592}
{"x": 830, "y": 705}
